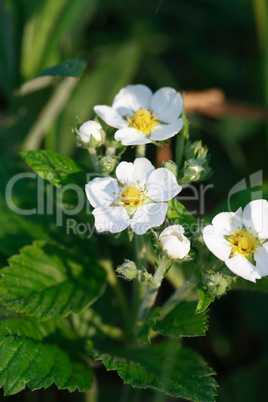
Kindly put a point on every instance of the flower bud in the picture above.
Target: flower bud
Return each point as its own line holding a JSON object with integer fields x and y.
{"x": 172, "y": 240}
{"x": 217, "y": 283}
{"x": 170, "y": 165}
{"x": 127, "y": 270}
{"x": 90, "y": 134}
{"x": 196, "y": 166}
{"x": 108, "y": 164}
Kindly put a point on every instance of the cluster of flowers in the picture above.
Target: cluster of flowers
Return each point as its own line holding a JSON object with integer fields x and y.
{"x": 138, "y": 195}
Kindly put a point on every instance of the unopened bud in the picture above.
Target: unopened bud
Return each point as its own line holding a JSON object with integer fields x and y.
{"x": 170, "y": 165}
{"x": 174, "y": 243}
{"x": 108, "y": 164}
{"x": 127, "y": 270}
{"x": 90, "y": 134}
{"x": 217, "y": 283}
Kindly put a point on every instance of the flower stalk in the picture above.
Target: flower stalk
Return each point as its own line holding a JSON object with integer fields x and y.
{"x": 94, "y": 159}
{"x": 152, "y": 291}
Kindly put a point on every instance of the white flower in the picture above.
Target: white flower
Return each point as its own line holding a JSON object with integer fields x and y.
{"x": 90, "y": 129}
{"x": 141, "y": 116}
{"x": 173, "y": 241}
{"x": 136, "y": 198}
{"x": 240, "y": 239}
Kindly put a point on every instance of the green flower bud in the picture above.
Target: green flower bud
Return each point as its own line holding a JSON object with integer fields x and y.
{"x": 108, "y": 164}
{"x": 170, "y": 165}
{"x": 196, "y": 166}
{"x": 217, "y": 283}
{"x": 127, "y": 270}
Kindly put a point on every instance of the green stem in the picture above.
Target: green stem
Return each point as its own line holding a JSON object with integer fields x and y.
{"x": 92, "y": 394}
{"x": 140, "y": 151}
{"x": 110, "y": 151}
{"x": 94, "y": 159}
{"x": 152, "y": 291}
{"x": 139, "y": 288}
{"x": 113, "y": 282}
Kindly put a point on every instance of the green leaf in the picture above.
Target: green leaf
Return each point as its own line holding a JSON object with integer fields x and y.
{"x": 204, "y": 300}
{"x": 29, "y": 356}
{"x": 178, "y": 214}
{"x": 49, "y": 281}
{"x": 167, "y": 367}
{"x": 17, "y": 324}
{"x": 182, "y": 321}
{"x": 69, "y": 68}
{"x": 145, "y": 328}
{"x": 55, "y": 168}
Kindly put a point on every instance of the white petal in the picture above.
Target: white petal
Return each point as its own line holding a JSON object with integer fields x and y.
{"x": 110, "y": 116}
{"x": 88, "y": 129}
{"x": 132, "y": 98}
{"x": 261, "y": 258}
{"x": 216, "y": 243}
{"x": 165, "y": 131}
{"x": 162, "y": 185}
{"x": 256, "y": 216}
{"x": 148, "y": 216}
{"x": 131, "y": 136}
{"x": 225, "y": 222}
{"x": 139, "y": 170}
{"x": 167, "y": 103}
{"x": 112, "y": 219}
{"x": 240, "y": 266}
{"x": 102, "y": 191}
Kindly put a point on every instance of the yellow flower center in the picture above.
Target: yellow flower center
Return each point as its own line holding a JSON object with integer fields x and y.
{"x": 143, "y": 121}
{"x": 131, "y": 196}
{"x": 243, "y": 242}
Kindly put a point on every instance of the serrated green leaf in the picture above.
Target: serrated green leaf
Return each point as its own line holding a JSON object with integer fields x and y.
{"x": 182, "y": 321}
{"x": 29, "y": 356}
{"x": 167, "y": 367}
{"x": 145, "y": 328}
{"x": 55, "y": 168}
{"x": 204, "y": 300}
{"x": 49, "y": 281}
{"x": 69, "y": 68}
{"x": 12, "y": 323}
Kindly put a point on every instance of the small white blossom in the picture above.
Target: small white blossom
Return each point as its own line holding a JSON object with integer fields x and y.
{"x": 240, "y": 239}
{"x": 90, "y": 129}
{"x": 173, "y": 241}
{"x": 141, "y": 116}
{"x": 137, "y": 198}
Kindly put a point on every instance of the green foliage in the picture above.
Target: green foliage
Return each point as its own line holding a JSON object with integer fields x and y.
{"x": 30, "y": 355}
{"x": 145, "y": 327}
{"x": 167, "y": 367}
{"x": 204, "y": 299}
{"x": 69, "y": 68}
{"x": 48, "y": 280}
{"x": 55, "y": 168}
{"x": 178, "y": 214}
{"x": 182, "y": 321}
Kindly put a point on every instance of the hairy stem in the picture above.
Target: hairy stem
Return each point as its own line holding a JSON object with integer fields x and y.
{"x": 139, "y": 288}
{"x": 152, "y": 291}
{"x": 94, "y": 159}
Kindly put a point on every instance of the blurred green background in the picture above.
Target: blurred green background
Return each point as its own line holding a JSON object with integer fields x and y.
{"x": 190, "y": 45}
